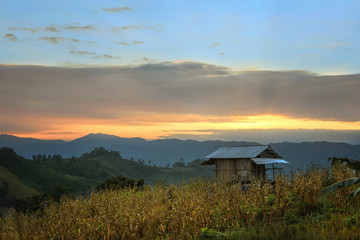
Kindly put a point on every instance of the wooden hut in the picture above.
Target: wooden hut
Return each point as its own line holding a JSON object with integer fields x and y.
{"x": 243, "y": 164}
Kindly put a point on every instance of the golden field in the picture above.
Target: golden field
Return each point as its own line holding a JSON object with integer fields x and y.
{"x": 201, "y": 209}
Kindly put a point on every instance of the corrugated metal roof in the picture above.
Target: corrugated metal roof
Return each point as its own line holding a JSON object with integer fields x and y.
{"x": 268, "y": 160}
{"x": 237, "y": 152}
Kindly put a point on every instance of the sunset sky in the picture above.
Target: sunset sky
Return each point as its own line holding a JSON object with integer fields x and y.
{"x": 228, "y": 70}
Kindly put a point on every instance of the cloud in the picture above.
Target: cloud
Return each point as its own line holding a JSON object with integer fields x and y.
{"x": 266, "y": 136}
{"x": 79, "y": 28}
{"x": 32, "y": 30}
{"x": 53, "y": 40}
{"x": 215, "y": 44}
{"x": 131, "y": 27}
{"x": 135, "y": 27}
{"x": 56, "y": 40}
{"x": 73, "y": 28}
{"x": 125, "y": 28}
{"x": 82, "y": 52}
{"x": 157, "y": 28}
{"x": 116, "y": 10}
{"x": 127, "y": 44}
{"x": 121, "y": 43}
{"x": 60, "y": 133}
{"x": 10, "y": 37}
{"x": 137, "y": 42}
{"x": 15, "y": 125}
{"x": 182, "y": 88}
{"x": 105, "y": 56}
{"x": 52, "y": 28}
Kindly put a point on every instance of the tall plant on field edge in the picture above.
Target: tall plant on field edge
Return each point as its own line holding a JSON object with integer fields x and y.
{"x": 352, "y": 164}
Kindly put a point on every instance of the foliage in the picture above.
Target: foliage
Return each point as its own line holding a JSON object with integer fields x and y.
{"x": 36, "y": 203}
{"x": 179, "y": 164}
{"x": 351, "y": 164}
{"x": 211, "y": 234}
{"x": 120, "y": 182}
{"x": 83, "y": 174}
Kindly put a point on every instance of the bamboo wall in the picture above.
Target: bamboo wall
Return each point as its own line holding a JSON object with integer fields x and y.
{"x": 244, "y": 170}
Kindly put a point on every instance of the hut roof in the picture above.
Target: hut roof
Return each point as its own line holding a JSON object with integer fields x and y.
{"x": 237, "y": 152}
{"x": 252, "y": 152}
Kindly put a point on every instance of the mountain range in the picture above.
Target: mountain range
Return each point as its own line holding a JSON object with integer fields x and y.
{"x": 162, "y": 152}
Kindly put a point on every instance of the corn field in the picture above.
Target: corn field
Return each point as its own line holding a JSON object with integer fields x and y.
{"x": 183, "y": 212}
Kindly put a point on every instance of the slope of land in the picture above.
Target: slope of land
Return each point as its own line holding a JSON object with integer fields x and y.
{"x": 84, "y": 173}
{"x": 16, "y": 188}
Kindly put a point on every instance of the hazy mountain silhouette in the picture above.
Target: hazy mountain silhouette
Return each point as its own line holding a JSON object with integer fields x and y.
{"x": 164, "y": 151}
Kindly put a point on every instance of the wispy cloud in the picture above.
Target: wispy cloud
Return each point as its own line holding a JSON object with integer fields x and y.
{"x": 10, "y": 37}
{"x": 82, "y": 52}
{"x": 127, "y": 44}
{"x": 157, "y": 28}
{"x": 116, "y": 9}
{"x": 137, "y": 42}
{"x": 131, "y": 27}
{"x": 67, "y": 27}
{"x": 79, "y": 28}
{"x": 53, "y": 28}
{"x": 125, "y": 28}
{"x": 108, "y": 56}
{"x": 121, "y": 43}
{"x": 215, "y": 44}
{"x": 32, "y": 30}
{"x": 56, "y": 40}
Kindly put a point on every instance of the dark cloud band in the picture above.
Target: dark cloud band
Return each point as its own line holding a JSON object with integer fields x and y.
{"x": 191, "y": 88}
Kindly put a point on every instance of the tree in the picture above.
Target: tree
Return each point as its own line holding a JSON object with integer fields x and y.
{"x": 180, "y": 163}
{"x": 195, "y": 163}
{"x": 120, "y": 182}
{"x": 352, "y": 164}
{"x": 4, "y": 190}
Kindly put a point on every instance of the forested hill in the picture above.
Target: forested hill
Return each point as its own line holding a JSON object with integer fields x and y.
{"x": 167, "y": 151}
{"x": 82, "y": 174}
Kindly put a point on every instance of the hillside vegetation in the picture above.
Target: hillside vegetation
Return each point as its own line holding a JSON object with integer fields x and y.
{"x": 292, "y": 208}
{"x": 16, "y": 188}
{"x": 82, "y": 174}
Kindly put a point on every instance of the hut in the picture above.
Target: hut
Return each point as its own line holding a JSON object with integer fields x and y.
{"x": 243, "y": 164}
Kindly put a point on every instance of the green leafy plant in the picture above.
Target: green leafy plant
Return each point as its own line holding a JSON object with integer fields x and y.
{"x": 211, "y": 234}
{"x": 352, "y": 164}
{"x": 271, "y": 199}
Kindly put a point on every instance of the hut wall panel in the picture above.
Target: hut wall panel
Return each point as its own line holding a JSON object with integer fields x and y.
{"x": 239, "y": 169}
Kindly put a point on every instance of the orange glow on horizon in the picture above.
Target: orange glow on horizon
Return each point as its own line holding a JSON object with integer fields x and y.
{"x": 153, "y": 126}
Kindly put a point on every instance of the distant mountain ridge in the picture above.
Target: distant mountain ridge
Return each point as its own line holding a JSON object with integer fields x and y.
{"x": 167, "y": 151}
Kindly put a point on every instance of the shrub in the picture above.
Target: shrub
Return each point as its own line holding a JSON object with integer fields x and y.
{"x": 120, "y": 182}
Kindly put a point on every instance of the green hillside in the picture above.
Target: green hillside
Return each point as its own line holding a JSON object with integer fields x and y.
{"x": 82, "y": 174}
{"x": 16, "y": 188}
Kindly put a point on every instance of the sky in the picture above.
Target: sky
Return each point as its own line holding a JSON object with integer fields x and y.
{"x": 228, "y": 70}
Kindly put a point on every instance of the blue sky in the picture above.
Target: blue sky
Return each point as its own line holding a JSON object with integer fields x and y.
{"x": 317, "y": 36}
{"x": 190, "y": 69}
